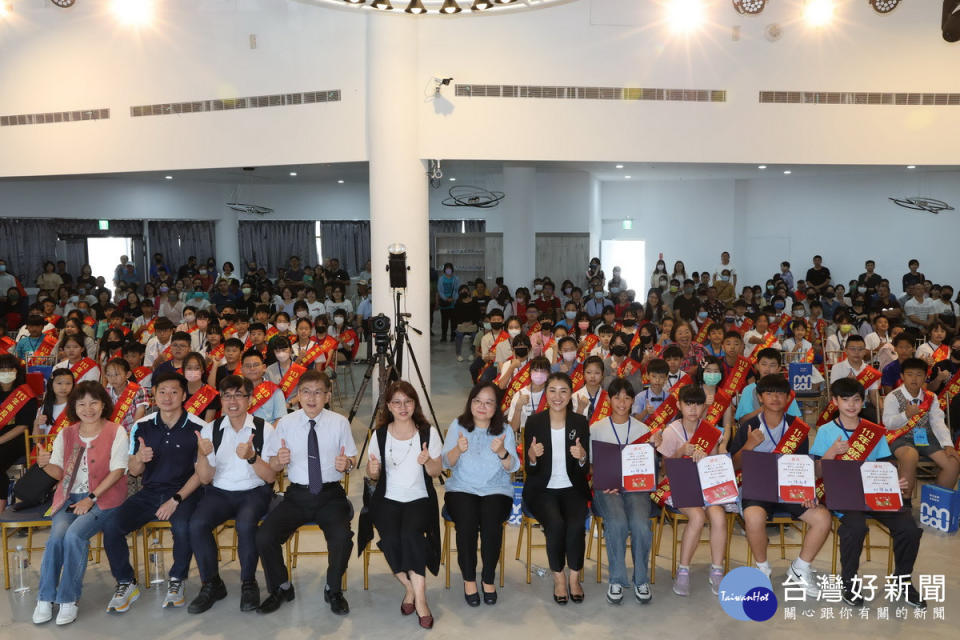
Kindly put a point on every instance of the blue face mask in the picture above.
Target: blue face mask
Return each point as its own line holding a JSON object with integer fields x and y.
{"x": 702, "y": 315}
{"x": 778, "y": 305}
{"x": 711, "y": 378}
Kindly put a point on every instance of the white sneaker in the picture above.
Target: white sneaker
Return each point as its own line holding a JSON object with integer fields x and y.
{"x": 175, "y": 594}
{"x": 459, "y": 358}
{"x": 614, "y": 594}
{"x": 642, "y": 593}
{"x": 43, "y": 612}
{"x": 807, "y": 576}
{"x": 126, "y": 594}
{"x": 68, "y": 613}
{"x": 767, "y": 571}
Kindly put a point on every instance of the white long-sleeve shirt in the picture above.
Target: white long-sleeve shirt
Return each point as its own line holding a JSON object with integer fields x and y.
{"x": 894, "y": 416}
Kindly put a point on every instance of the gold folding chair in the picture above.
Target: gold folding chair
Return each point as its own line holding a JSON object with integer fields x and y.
{"x": 448, "y": 528}
{"x": 596, "y": 525}
{"x": 676, "y": 519}
{"x": 867, "y": 545}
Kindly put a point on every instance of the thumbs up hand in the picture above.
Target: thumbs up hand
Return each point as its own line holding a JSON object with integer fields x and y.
{"x": 424, "y": 455}
{"x": 204, "y": 446}
{"x": 577, "y": 451}
{"x": 496, "y": 445}
{"x": 245, "y": 450}
{"x": 144, "y": 453}
{"x": 341, "y": 462}
{"x": 283, "y": 454}
{"x": 462, "y": 443}
{"x": 754, "y": 439}
{"x": 840, "y": 447}
{"x": 373, "y": 466}
{"x": 536, "y": 450}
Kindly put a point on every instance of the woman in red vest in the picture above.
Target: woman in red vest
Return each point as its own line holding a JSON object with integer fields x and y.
{"x": 89, "y": 458}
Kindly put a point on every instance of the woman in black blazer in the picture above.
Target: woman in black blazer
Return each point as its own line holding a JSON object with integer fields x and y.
{"x": 556, "y": 490}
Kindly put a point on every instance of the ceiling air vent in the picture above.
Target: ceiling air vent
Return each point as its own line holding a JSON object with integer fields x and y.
{"x": 590, "y": 93}
{"x": 51, "y": 118}
{"x": 860, "y": 98}
{"x": 230, "y": 104}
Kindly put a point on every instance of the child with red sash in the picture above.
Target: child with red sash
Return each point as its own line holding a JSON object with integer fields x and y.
{"x": 852, "y": 438}
{"x": 935, "y": 349}
{"x": 284, "y": 372}
{"x": 761, "y": 336}
{"x": 735, "y": 365}
{"x": 719, "y": 397}
{"x": 75, "y": 352}
{"x": 854, "y": 366}
{"x": 130, "y": 401}
{"x": 322, "y": 353}
{"x": 202, "y": 400}
{"x": 133, "y": 352}
{"x": 678, "y": 439}
{"x": 915, "y": 425}
{"x": 650, "y": 399}
{"x": 267, "y": 400}
{"x": 531, "y": 398}
{"x": 566, "y": 361}
{"x": 619, "y": 364}
{"x": 52, "y": 417}
{"x": 18, "y": 410}
{"x": 159, "y": 346}
{"x": 484, "y": 366}
{"x": 774, "y": 431}
{"x": 515, "y": 372}
{"x": 676, "y": 376}
{"x": 590, "y": 399}
{"x": 232, "y": 353}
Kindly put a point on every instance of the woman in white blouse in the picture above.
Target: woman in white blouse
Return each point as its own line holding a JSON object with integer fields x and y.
{"x": 403, "y": 460}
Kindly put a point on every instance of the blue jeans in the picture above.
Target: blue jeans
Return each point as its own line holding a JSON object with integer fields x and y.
{"x": 65, "y": 556}
{"x": 623, "y": 514}
{"x": 458, "y": 340}
{"x": 138, "y": 510}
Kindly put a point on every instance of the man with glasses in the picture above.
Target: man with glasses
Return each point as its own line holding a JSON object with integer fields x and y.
{"x": 240, "y": 488}
{"x": 163, "y": 449}
{"x": 267, "y": 400}
{"x": 316, "y": 448}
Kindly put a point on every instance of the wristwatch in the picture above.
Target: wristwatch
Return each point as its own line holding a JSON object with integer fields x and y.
{"x": 506, "y": 454}
{"x": 177, "y": 498}
{"x": 252, "y": 460}
{"x": 92, "y": 496}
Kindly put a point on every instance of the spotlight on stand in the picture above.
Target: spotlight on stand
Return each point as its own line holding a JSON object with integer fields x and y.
{"x": 397, "y": 265}
{"x": 884, "y": 6}
{"x": 951, "y": 20}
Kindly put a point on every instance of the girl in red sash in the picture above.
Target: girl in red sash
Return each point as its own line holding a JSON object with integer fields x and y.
{"x": 709, "y": 376}
{"x": 193, "y": 369}
{"x": 304, "y": 338}
{"x": 18, "y": 409}
{"x": 75, "y": 359}
{"x": 133, "y": 399}
{"x": 532, "y": 398}
{"x": 52, "y": 416}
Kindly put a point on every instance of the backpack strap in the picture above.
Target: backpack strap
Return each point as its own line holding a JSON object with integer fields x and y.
{"x": 217, "y": 433}
{"x": 259, "y": 425}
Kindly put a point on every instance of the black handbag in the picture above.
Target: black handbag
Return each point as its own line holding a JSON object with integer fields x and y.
{"x": 33, "y": 489}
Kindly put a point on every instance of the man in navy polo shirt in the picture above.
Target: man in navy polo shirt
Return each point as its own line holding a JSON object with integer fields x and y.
{"x": 164, "y": 450}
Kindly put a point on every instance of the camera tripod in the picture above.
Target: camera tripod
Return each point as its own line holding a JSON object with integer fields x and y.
{"x": 389, "y": 360}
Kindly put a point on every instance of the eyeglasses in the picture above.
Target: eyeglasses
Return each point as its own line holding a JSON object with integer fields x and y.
{"x": 397, "y": 404}
{"x": 312, "y": 393}
{"x": 486, "y": 404}
{"x": 234, "y": 396}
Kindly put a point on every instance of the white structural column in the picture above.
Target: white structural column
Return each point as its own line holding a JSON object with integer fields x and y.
{"x": 519, "y": 242}
{"x": 227, "y": 239}
{"x": 399, "y": 207}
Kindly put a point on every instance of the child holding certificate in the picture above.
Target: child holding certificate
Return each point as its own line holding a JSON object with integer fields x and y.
{"x": 835, "y": 440}
{"x": 676, "y": 444}
{"x": 624, "y": 513}
{"x": 773, "y": 431}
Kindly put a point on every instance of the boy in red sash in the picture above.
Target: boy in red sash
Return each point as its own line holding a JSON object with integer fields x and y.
{"x": 853, "y": 438}
{"x": 773, "y": 431}
{"x": 677, "y": 442}
{"x": 158, "y": 347}
{"x": 18, "y": 409}
{"x": 650, "y": 399}
{"x": 915, "y": 424}
{"x": 173, "y": 360}
{"x": 484, "y": 367}
{"x": 515, "y": 372}
{"x": 133, "y": 353}
{"x": 673, "y": 355}
{"x": 734, "y": 364}
{"x": 129, "y": 399}
{"x": 267, "y": 400}
{"x": 284, "y": 372}
{"x": 855, "y": 367}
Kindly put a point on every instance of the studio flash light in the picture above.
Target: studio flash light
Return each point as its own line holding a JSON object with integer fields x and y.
{"x": 951, "y": 20}
{"x": 397, "y": 265}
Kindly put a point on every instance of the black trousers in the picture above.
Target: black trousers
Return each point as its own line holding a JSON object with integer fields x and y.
{"x": 216, "y": 506}
{"x": 330, "y": 509}
{"x": 853, "y": 530}
{"x": 562, "y": 514}
{"x": 473, "y": 514}
{"x": 403, "y": 534}
{"x": 446, "y": 319}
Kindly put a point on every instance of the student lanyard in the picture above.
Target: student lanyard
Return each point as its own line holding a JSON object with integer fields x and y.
{"x": 34, "y": 343}
{"x": 845, "y": 432}
{"x": 593, "y": 401}
{"x": 533, "y": 407}
{"x": 767, "y": 428}
{"x": 617, "y": 436}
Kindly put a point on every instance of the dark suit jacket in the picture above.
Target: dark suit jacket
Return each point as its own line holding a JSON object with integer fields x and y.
{"x": 538, "y": 426}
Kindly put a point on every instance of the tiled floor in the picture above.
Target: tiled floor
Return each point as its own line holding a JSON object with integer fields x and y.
{"x": 522, "y": 608}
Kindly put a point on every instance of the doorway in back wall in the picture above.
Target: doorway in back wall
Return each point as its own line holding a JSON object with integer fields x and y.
{"x": 104, "y": 255}
{"x": 630, "y": 256}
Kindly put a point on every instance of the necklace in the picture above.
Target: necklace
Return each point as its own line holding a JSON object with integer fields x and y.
{"x": 393, "y": 458}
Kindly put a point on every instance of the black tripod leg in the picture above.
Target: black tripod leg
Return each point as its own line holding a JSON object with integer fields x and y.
{"x": 423, "y": 386}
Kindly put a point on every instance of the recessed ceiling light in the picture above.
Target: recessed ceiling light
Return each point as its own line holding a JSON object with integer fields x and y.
{"x": 763, "y": 166}
{"x": 619, "y": 166}
{"x": 627, "y": 177}
{"x": 339, "y": 181}
{"x": 293, "y": 174}
{"x": 453, "y": 179}
{"x": 911, "y": 166}
{"x": 168, "y": 177}
{"x": 787, "y": 172}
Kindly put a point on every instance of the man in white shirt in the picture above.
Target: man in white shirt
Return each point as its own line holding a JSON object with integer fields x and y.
{"x": 919, "y": 309}
{"x": 240, "y": 486}
{"x": 316, "y": 448}
{"x": 930, "y": 434}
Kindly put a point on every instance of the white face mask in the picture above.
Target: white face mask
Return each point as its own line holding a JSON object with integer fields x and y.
{"x": 283, "y": 326}
{"x": 538, "y": 287}
{"x": 7, "y": 377}
{"x": 301, "y": 314}
{"x": 189, "y": 319}
{"x": 513, "y": 332}
{"x": 192, "y": 375}
{"x": 338, "y": 320}
{"x": 282, "y": 356}
{"x": 569, "y": 356}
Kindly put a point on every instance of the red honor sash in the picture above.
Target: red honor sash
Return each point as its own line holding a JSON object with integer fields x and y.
{"x": 793, "y": 435}
{"x": 705, "y": 438}
{"x": 350, "y": 336}
{"x": 519, "y": 380}
{"x": 534, "y": 329}
{"x": 124, "y": 402}
{"x": 45, "y": 348}
{"x": 141, "y": 372}
{"x": 229, "y": 331}
{"x": 602, "y": 407}
{"x": 217, "y": 352}
{"x": 942, "y": 353}
{"x": 320, "y": 349}
{"x": 261, "y": 393}
{"x": 745, "y": 326}
{"x": 6, "y": 343}
{"x": 952, "y": 389}
{"x": 867, "y": 377}
{"x": 915, "y": 420}
{"x": 503, "y": 335}
{"x": 576, "y": 377}
{"x": 82, "y": 368}
{"x": 701, "y": 337}
{"x": 291, "y": 378}
{"x": 736, "y": 380}
{"x": 864, "y": 438}
{"x": 199, "y": 401}
{"x": 15, "y": 401}
{"x": 628, "y": 367}
{"x": 272, "y": 331}
{"x": 588, "y": 344}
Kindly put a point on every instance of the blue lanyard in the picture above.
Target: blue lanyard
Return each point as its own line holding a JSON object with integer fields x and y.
{"x": 767, "y": 429}
{"x": 840, "y": 425}
{"x": 617, "y": 436}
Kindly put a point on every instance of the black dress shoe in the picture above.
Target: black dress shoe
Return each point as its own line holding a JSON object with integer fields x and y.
{"x": 473, "y": 599}
{"x": 576, "y": 597}
{"x": 249, "y": 596}
{"x": 275, "y": 599}
{"x": 560, "y": 599}
{"x": 338, "y": 604}
{"x": 490, "y": 597}
{"x": 210, "y": 592}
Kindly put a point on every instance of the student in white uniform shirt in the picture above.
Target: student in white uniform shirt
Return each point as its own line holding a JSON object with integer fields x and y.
{"x": 853, "y": 366}
{"x": 527, "y": 401}
{"x": 316, "y": 448}
{"x": 239, "y": 487}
